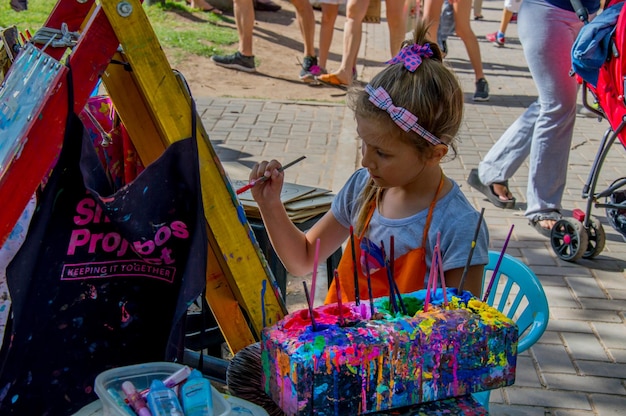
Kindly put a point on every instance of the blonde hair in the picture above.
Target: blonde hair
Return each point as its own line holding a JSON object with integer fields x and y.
{"x": 432, "y": 93}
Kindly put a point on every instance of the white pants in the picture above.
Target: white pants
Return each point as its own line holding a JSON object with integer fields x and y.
{"x": 544, "y": 131}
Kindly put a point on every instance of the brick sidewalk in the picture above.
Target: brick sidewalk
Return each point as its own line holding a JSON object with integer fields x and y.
{"x": 579, "y": 366}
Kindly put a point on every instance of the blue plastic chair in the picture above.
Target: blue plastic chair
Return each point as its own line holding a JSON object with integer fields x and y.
{"x": 516, "y": 292}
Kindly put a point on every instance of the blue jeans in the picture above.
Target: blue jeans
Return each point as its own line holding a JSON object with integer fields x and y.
{"x": 544, "y": 131}
{"x": 446, "y": 23}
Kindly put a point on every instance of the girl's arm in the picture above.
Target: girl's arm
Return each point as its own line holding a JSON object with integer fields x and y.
{"x": 295, "y": 248}
{"x": 473, "y": 280}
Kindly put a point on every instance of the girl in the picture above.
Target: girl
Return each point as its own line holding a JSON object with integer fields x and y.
{"x": 407, "y": 119}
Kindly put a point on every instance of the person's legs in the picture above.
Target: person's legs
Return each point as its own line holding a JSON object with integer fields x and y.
{"x": 355, "y": 13}
{"x": 478, "y": 9}
{"x": 431, "y": 13}
{"x": 204, "y": 6}
{"x": 505, "y": 19}
{"x": 396, "y": 19}
{"x": 243, "y": 59}
{"x": 306, "y": 21}
{"x": 244, "y": 19}
{"x": 510, "y": 151}
{"x": 462, "y": 10}
{"x": 539, "y": 25}
{"x": 498, "y": 38}
{"x": 446, "y": 25}
{"x": 327, "y": 29}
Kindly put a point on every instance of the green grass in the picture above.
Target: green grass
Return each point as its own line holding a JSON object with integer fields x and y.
{"x": 180, "y": 29}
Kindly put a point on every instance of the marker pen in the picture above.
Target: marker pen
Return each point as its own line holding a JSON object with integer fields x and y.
{"x": 135, "y": 400}
{"x": 172, "y": 381}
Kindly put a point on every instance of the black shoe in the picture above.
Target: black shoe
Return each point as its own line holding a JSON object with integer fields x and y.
{"x": 235, "y": 61}
{"x": 266, "y": 6}
{"x": 482, "y": 90}
{"x": 19, "y": 5}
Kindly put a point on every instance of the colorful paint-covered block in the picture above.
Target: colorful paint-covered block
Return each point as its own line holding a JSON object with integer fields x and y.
{"x": 356, "y": 362}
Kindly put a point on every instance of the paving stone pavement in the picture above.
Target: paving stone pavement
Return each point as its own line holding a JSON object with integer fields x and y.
{"x": 578, "y": 367}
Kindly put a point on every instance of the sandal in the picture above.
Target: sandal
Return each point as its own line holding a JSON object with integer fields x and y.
{"x": 206, "y": 7}
{"x": 332, "y": 80}
{"x": 535, "y": 222}
{"x": 474, "y": 181}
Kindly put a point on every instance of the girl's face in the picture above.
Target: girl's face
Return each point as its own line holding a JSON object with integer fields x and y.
{"x": 390, "y": 161}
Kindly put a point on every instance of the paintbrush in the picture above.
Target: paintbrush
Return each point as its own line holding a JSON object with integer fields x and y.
{"x": 339, "y": 303}
{"x": 471, "y": 252}
{"x": 392, "y": 296}
{"x": 391, "y": 271}
{"x": 243, "y": 378}
{"x": 357, "y": 295}
{"x": 369, "y": 280}
{"x": 310, "y": 304}
{"x": 495, "y": 270}
{"x": 314, "y": 274}
{"x": 437, "y": 255}
{"x": 265, "y": 178}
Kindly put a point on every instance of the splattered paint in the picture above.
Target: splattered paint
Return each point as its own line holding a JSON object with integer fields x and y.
{"x": 384, "y": 361}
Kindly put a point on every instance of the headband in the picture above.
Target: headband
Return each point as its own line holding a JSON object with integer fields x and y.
{"x": 411, "y": 56}
{"x": 401, "y": 116}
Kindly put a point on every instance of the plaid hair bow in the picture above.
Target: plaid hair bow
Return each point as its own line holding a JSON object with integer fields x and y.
{"x": 411, "y": 56}
{"x": 401, "y": 116}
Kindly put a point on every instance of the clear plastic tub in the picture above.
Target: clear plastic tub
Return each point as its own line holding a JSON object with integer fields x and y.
{"x": 141, "y": 375}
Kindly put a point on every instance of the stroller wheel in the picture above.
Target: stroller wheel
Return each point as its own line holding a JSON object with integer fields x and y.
{"x": 597, "y": 238}
{"x": 569, "y": 239}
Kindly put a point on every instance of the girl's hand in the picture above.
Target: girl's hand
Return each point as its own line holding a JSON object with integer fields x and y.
{"x": 270, "y": 188}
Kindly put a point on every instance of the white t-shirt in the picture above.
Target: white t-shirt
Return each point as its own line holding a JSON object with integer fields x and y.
{"x": 453, "y": 216}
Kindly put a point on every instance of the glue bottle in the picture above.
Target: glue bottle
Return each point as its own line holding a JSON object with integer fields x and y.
{"x": 197, "y": 395}
{"x": 162, "y": 401}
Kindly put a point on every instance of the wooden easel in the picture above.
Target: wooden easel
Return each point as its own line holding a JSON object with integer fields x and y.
{"x": 154, "y": 105}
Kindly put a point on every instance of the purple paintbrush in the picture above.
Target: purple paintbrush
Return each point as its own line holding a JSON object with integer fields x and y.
{"x": 495, "y": 270}
{"x": 369, "y": 280}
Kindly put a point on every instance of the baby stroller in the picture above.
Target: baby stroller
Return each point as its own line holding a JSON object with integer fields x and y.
{"x": 603, "y": 92}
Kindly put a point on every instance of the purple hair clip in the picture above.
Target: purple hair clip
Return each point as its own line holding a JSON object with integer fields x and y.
{"x": 411, "y": 56}
{"x": 400, "y": 115}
